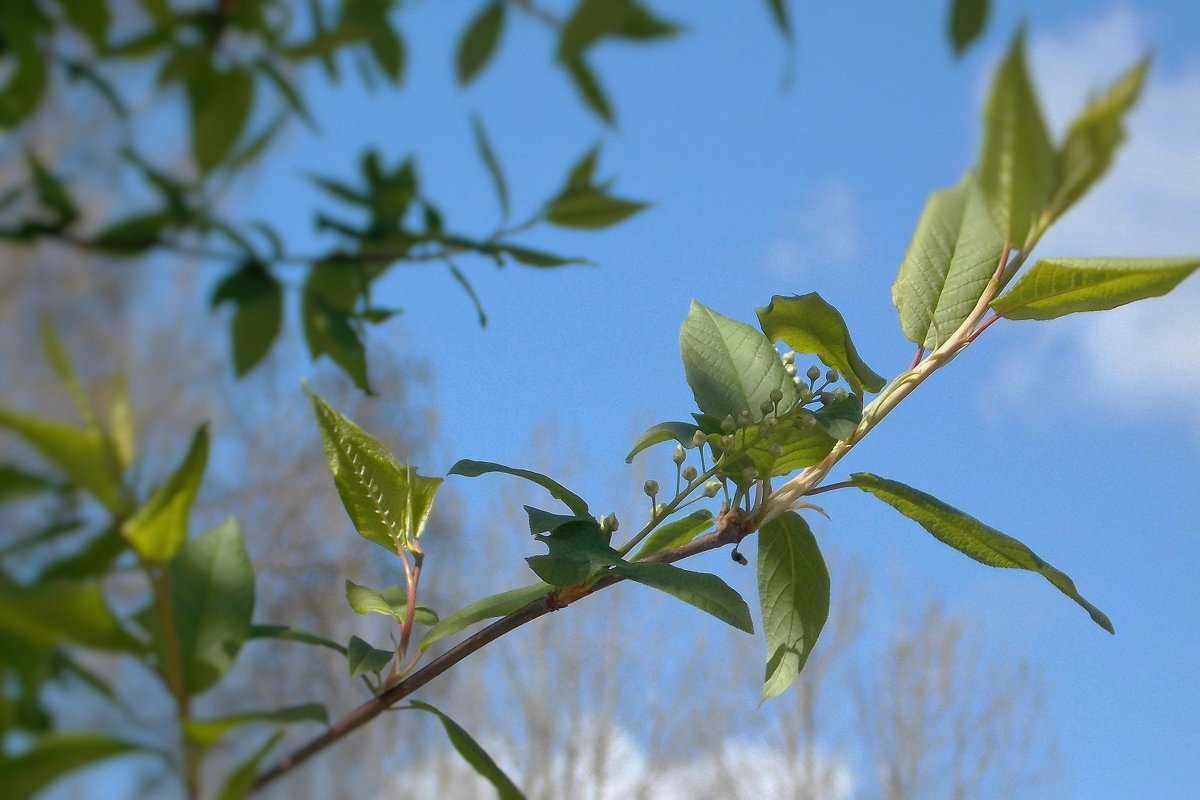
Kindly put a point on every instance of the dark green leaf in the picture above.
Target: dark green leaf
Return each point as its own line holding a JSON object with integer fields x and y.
{"x": 590, "y": 89}
{"x": 475, "y": 755}
{"x": 673, "y": 534}
{"x": 779, "y": 13}
{"x": 326, "y": 310}
{"x": 489, "y": 157}
{"x": 220, "y": 102}
{"x": 1060, "y": 286}
{"x": 17, "y": 483}
{"x": 93, "y": 560}
{"x": 388, "y": 49}
{"x": 546, "y": 522}
{"x": 706, "y": 592}
{"x": 955, "y": 251}
{"x": 462, "y": 281}
{"x": 968, "y": 18}
{"x": 53, "y": 757}
{"x": 537, "y": 258}
{"x": 681, "y": 432}
{"x": 288, "y": 634}
{"x": 208, "y": 732}
{"x": 730, "y": 366}
{"x": 286, "y": 90}
{"x": 808, "y": 324}
{"x": 362, "y": 658}
{"x": 583, "y": 172}
{"x": 497, "y": 605}
{"x": 591, "y": 21}
{"x": 479, "y": 42}
{"x": 52, "y": 194}
{"x": 590, "y": 209}
{"x": 641, "y": 25}
{"x": 159, "y": 528}
{"x": 970, "y": 536}
{"x": 133, "y": 235}
{"x": 49, "y": 614}
{"x": 391, "y": 602}
{"x": 258, "y": 313}
{"x": 84, "y": 455}
{"x": 840, "y": 418}
{"x": 473, "y": 469}
{"x": 793, "y": 592}
{"x": 577, "y": 551}
{"x": 90, "y": 17}
{"x": 240, "y": 782}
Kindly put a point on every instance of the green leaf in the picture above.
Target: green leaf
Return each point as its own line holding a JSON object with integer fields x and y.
{"x": 681, "y": 432}
{"x": 56, "y": 356}
{"x": 133, "y": 235}
{"x": 546, "y": 522}
{"x": 121, "y": 428}
{"x": 466, "y": 286}
{"x": 52, "y": 194}
{"x": 26, "y": 79}
{"x": 212, "y": 600}
{"x": 1018, "y": 164}
{"x": 970, "y": 536}
{"x": 240, "y": 782}
{"x": 793, "y": 592}
{"x": 93, "y": 560}
{"x": 479, "y": 42}
{"x": 1060, "y": 286}
{"x": 591, "y": 21}
{"x": 497, "y": 605}
{"x": 968, "y": 18}
{"x": 577, "y": 551}
{"x": 286, "y": 90}
{"x": 1094, "y": 138}
{"x": 840, "y": 418}
{"x": 583, "y": 172}
{"x": 50, "y": 613}
{"x": 673, "y": 534}
{"x": 258, "y": 313}
{"x": 475, "y": 755}
{"x": 730, "y": 366}
{"x": 160, "y": 527}
{"x": 362, "y": 658}
{"x": 779, "y": 13}
{"x": 801, "y": 435}
{"x": 84, "y": 456}
{"x": 326, "y": 311}
{"x": 641, "y": 25}
{"x": 590, "y": 90}
{"x": 53, "y": 757}
{"x": 706, "y": 592}
{"x": 220, "y": 101}
{"x": 473, "y": 469}
{"x": 808, "y": 324}
{"x": 537, "y": 258}
{"x": 955, "y": 251}
{"x": 388, "y": 502}
{"x": 17, "y": 483}
{"x": 590, "y": 209}
{"x": 289, "y": 634}
{"x": 90, "y": 17}
{"x": 391, "y": 602}
{"x": 208, "y": 732}
{"x": 489, "y": 156}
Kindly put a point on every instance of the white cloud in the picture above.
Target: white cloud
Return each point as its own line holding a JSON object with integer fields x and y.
{"x": 824, "y": 231}
{"x": 1149, "y": 204}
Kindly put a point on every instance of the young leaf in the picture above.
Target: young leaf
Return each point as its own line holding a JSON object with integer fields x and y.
{"x": 387, "y": 501}
{"x": 49, "y": 613}
{"x": 362, "y": 658}
{"x": 220, "y": 102}
{"x": 285, "y": 633}
{"x": 497, "y": 605}
{"x": 968, "y": 18}
{"x": 241, "y": 781}
{"x": 706, "y": 592}
{"x": 209, "y": 732}
{"x": 475, "y": 755}
{"x": 84, "y": 456}
{"x": 391, "y": 602}
{"x": 160, "y": 527}
{"x": 1060, "y": 286}
{"x": 673, "y": 534}
{"x": 489, "y": 156}
{"x": 462, "y": 281}
{"x": 590, "y": 90}
{"x": 590, "y": 209}
{"x": 1094, "y": 138}
{"x": 681, "y": 432}
{"x": 55, "y": 756}
{"x": 970, "y": 536}
{"x": 473, "y": 469}
{"x": 808, "y": 324}
{"x": 1018, "y": 165}
{"x": 955, "y": 250}
{"x": 730, "y": 366}
{"x": 793, "y": 592}
{"x": 479, "y": 42}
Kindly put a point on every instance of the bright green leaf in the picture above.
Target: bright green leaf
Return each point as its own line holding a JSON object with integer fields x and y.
{"x": 673, "y": 534}
{"x": 473, "y": 469}
{"x": 808, "y": 324}
{"x": 970, "y": 536}
{"x": 240, "y": 782}
{"x": 475, "y": 755}
{"x": 479, "y": 42}
{"x": 84, "y": 456}
{"x": 50, "y": 614}
{"x": 497, "y": 605}
{"x": 55, "y": 756}
{"x": 681, "y": 432}
{"x": 730, "y": 366}
{"x": 362, "y": 658}
{"x": 160, "y": 527}
{"x": 955, "y": 251}
{"x": 121, "y": 428}
{"x": 1018, "y": 164}
{"x": 1060, "y": 286}
{"x": 793, "y": 592}
{"x": 706, "y": 592}
{"x": 968, "y": 18}
{"x": 208, "y": 732}
{"x": 220, "y": 101}
{"x": 391, "y": 602}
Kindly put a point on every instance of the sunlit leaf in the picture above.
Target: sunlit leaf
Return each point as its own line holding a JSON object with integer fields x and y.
{"x": 681, "y": 432}
{"x": 159, "y": 528}
{"x": 1059, "y": 286}
{"x": 675, "y": 533}
{"x": 83, "y": 455}
{"x": 808, "y": 324}
{"x": 391, "y": 601}
{"x": 475, "y": 755}
{"x": 497, "y": 605}
{"x": 50, "y": 614}
{"x": 473, "y": 469}
{"x": 362, "y": 658}
{"x": 702, "y": 590}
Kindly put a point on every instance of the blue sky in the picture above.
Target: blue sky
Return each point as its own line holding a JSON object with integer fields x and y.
{"x": 1081, "y": 437}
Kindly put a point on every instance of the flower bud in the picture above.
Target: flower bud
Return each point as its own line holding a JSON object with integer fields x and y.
{"x": 776, "y": 395}
{"x": 726, "y": 441}
{"x": 790, "y": 369}
{"x": 814, "y": 372}
{"x": 689, "y": 473}
{"x": 827, "y": 398}
{"x": 711, "y": 488}
{"x": 698, "y": 439}
{"x": 840, "y": 394}
{"x": 728, "y": 425}
{"x": 770, "y": 423}
{"x": 805, "y": 394}
{"x": 650, "y": 488}
{"x": 789, "y": 357}
{"x": 609, "y": 523}
{"x": 749, "y": 474}
{"x": 766, "y": 407}
{"x": 831, "y": 376}
{"x": 744, "y": 419}
{"x": 678, "y": 456}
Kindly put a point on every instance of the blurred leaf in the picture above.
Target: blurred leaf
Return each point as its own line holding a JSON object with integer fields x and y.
{"x": 583, "y": 172}
{"x": 362, "y": 658}
{"x": 50, "y": 614}
{"x": 240, "y": 782}
{"x": 56, "y": 357}
{"x": 133, "y": 235}
{"x": 968, "y": 18}
{"x": 327, "y": 307}
{"x": 83, "y": 455}
{"x": 706, "y": 592}
{"x": 462, "y": 281}
{"x": 641, "y": 25}
{"x": 479, "y": 42}
{"x": 160, "y": 527}
{"x": 590, "y": 90}
{"x": 489, "y": 158}
{"x": 258, "y": 313}
{"x": 44, "y": 534}
{"x": 971, "y": 537}
{"x": 954, "y": 253}
{"x": 808, "y": 324}
{"x": 286, "y": 90}
{"x": 55, "y": 756}
{"x": 220, "y": 102}
{"x": 497, "y": 605}
{"x": 1018, "y": 164}
{"x": 536, "y": 258}
{"x": 590, "y": 209}
{"x": 16, "y": 483}
{"x": 793, "y": 591}
{"x": 673, "y": 534}
{"x": 26, "y": 73}
{"x": 289, "y": 634}
{"x": 730, "y": 366}
{"x": 387, "y": 501}
{"x": 209, "y": 732}
{"x": 681, "y": 432}
{"x": 89, "y": 16}
{"x": 78, "y": 70}
{"x": 475, "y": 755}
{"x": 93, "y": 560}
{"x": 121, "y": 428}
{"x": 473, "y": 469}
{"x": 591, "y": 21}
{"x": 391, "y": 602}
{"x": 779, "y": 13}
{"x": 1060, "y": 286}
{"x": 51, "y": 193}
